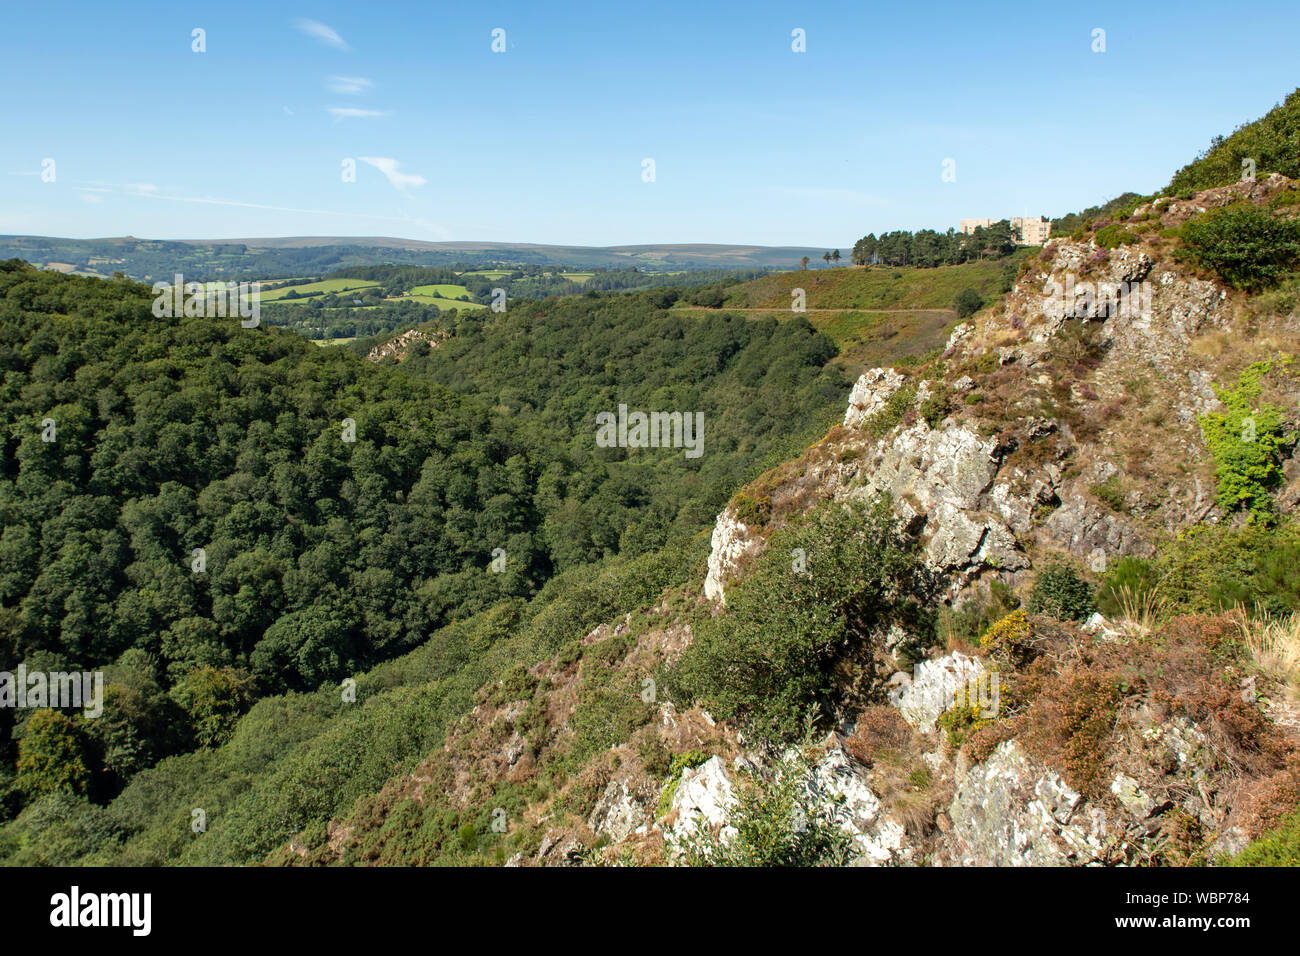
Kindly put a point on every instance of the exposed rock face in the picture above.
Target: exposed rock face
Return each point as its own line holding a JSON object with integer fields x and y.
{"x": 731, "y": 542}
{"x": 922, "y": 698}
{"x": 1081, "y": 527}
{"x": 870, "y": 393}
{"x": 704, "y": 797}
{"x": 1144, "y": 314}
{"x": 401, "y": 344}
{"x": 621, "y": 809}
{"x": 1011, "y": 811}
{"x": 942, "y": 485}
{"x": 838, "y": 782}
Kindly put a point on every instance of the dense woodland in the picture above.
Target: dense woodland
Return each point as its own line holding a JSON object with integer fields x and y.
{"x": 324, "y": 557}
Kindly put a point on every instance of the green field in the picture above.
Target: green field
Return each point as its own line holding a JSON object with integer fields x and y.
{"x": 871, "y": 287}
{"x": 490, "y": 273}
{"x": 317, "y": 288}
{"x": 876, "y": 316}
{"x": 442, "y": 290}
{"x": 578, "y": 277}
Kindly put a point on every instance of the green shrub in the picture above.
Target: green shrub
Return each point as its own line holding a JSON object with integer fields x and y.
{"x": 752, "y": 510}
{"x": 770, "y": 658}
{"x": 778, "y": 823}
{"x": 213, "y": 698}
{"x": 1212, "y": 567}
{"x": 936, "y": 408}
{"x": 1286, "y": 198}
{"x": 1273, "y": 142}
{"x": 1247, "y": 442}
{"x": 1130, "y": 573}
{"x": 690, "y": 759}
{"x": 967, "y": 302}
{"x": 1114, "y": 236}
{"x": 53, "y": 755}
{"x": 59, "y": 829}
{"x": 1110, "y": 494}
{"x": 1246, "y": 245}
{"x": 1278, "y": 847}
{"x": 1061, "y": 593}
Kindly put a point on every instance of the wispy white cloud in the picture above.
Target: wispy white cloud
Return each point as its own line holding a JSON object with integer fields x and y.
{"x": 99, "y": 186}
{"x": 346, "y": 112}
{"x": 352, "y": 85}
{"x": 319, "y": 31}
{"x": 92, "y": 195}
{"x": 388, "y": 167}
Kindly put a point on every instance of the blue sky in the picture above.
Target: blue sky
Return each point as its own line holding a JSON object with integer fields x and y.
{"x": 752, "y": 142}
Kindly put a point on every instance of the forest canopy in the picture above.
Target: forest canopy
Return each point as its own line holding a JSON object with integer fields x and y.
{"x": 182, "y": 507}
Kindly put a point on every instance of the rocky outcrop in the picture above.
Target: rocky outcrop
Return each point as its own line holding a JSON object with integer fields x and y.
{"x": 1083, "y": 528}
{"x": 400, "y": 345}
{"x": 704, "y": 798}
{"x": 870, "y": 393}
{"x": 942, "y": 483}
{"x": 839, "y": 783}
{"x": 1012, "y": 811}
{"x": 922, "y": 697}
{"x": 945, "y": 488}
{"x": 732, "y": 541}
{"x": 622, "y": 809}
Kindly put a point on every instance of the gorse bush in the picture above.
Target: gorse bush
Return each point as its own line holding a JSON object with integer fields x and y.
{"x": 961, "y": 627}
{"x": 1114, "y": 236}
{"x": 1248, "y": 246}
{"x": 769, "y": 658}
{"x": 1210, "y": 568}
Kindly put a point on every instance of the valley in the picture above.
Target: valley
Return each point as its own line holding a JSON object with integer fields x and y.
{"x": 955, "y": 543}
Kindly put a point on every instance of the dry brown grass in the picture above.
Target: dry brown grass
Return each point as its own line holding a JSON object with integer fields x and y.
{"x": 1211, "y": 344}
{"x": 908, "y": 789}
{"x": 1140, "y": 609}
{"x": 1274, "y": 644}
{"x": 879, "y": 728}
